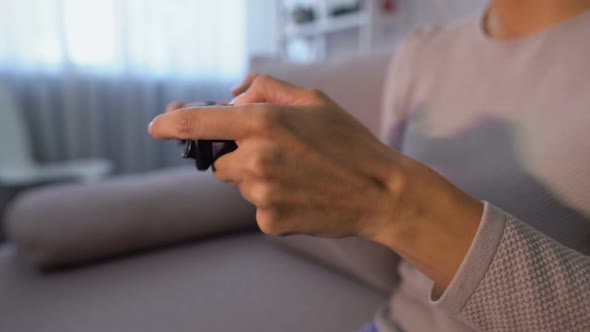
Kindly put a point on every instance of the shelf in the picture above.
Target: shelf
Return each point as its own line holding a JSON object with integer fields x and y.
{"x": 327, "y": 25}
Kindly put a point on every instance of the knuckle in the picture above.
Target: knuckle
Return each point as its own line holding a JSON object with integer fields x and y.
{"x": 274, "y": 153}
{"x": 268, "y": 117}
{"x": 262, "y": 78}
{"x": 186, "y": 123}
{"x": 264, "y": 195}
{"x": 221, "y": 175}
{"x": 264, "y": 162}
{"x": 316, "y": 94}
{"x": 259, "y": 164}
{"x": 259, "y": 193}
{"x": 268, "y": 222}
{"x": 400, "y": 184}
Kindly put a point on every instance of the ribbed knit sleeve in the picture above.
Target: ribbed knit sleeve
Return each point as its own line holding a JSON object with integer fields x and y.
{"x": 514, "y": 278}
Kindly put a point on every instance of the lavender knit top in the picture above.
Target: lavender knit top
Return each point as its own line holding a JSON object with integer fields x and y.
{"x": 508, "y": 122}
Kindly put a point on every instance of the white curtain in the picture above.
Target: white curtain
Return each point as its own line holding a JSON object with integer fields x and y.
{"x": 90, "y": 74}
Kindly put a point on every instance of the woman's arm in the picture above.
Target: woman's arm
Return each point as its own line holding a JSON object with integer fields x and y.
{"x": 516, "y": 278}
{"x": 494, "y": 272}
{"x": 310, "y": 168}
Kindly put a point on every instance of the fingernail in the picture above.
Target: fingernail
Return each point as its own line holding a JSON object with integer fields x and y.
{"x": 150, "y": 126}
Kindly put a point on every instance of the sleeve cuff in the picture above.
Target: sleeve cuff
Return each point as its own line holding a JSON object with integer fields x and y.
{"x": 476, "y": 263}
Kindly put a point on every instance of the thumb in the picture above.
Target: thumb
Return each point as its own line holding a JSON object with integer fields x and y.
{"x": 267, "y": 89}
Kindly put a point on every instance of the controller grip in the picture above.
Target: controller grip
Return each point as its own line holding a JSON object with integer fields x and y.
{"x": 206, "y": 152}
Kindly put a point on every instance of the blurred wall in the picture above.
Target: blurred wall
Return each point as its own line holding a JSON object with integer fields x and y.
{"x": 263, "y": 35}
{"x": 264, "y": 20}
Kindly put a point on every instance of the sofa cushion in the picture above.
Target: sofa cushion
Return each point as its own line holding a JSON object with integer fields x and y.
{"x": 234, "y": 283}
{"x": 369, "y": 262}
{"x": 73, "y": 223}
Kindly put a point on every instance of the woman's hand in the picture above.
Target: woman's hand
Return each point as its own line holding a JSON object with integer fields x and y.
{"x": 306, "y": 164}
{"x": 310, "y": 167}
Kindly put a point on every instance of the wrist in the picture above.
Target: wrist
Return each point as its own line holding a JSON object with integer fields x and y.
{"x": 433, "y": 223}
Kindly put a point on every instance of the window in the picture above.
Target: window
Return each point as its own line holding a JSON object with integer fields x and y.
{"x": 140, "y": 37}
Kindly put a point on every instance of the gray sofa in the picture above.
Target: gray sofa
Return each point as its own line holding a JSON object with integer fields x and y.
{"x": 176, "y": 251}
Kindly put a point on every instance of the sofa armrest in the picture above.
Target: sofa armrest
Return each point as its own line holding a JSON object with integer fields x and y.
{"x": 74, "y": 223}
{"x": 354, "y": 83}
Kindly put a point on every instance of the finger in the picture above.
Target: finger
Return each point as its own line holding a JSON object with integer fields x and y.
{"x": 268, "y": 221}
{"x": 228, "y": 167}
{"x": 285, "y": 220}
{"x": 244, "y": 85}
{"x": 219, "y": 102}
{"x": 175, "y": 106}
{"x": 263, "y": 194}
{"x": 254, "y": 159}
{"x": 171, "y": 107}
{"x": 213, "y": 122}
{"x": 281, "y": 221}
{"x": 267, "y": 89}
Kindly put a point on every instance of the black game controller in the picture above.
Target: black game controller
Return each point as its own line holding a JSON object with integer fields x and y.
{"x": 206, "y": 152}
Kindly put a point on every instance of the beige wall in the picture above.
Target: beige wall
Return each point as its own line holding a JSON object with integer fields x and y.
{"x": 263, "y": 23}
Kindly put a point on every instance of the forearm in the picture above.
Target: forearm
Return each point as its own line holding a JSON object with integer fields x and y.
{"x": 480, "y": 259}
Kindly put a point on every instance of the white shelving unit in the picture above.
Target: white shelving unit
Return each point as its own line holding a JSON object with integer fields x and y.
{"x": 328, "y": 36}
{"x": 327, "y": 25}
